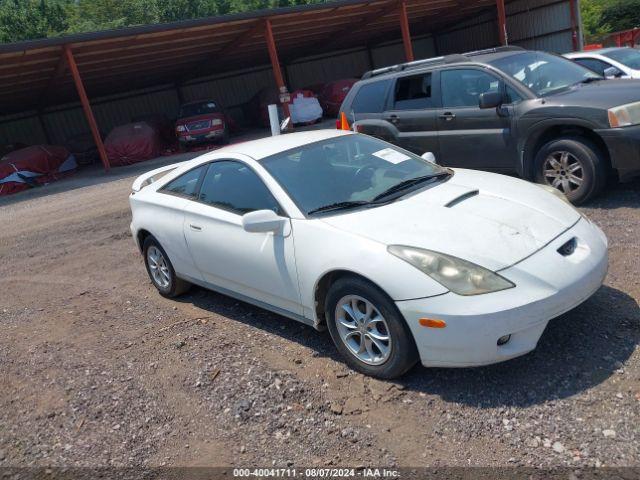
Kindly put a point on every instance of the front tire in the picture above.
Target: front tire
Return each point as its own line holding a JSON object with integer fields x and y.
{"x": 368, "y": 330}
{"x": 161, "y": 271}
{"x": 573, "y": 165}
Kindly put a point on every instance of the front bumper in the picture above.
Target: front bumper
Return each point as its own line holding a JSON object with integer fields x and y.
{"x": 547, "y": 285}
{"x": 192, "y": 138}
{"x": 624, "y": 149}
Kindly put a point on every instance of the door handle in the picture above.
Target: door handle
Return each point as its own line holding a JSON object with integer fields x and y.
{"x": 393, "y": 118}
{"x": 197, "y": 228}
{"x": 448, "y": 116}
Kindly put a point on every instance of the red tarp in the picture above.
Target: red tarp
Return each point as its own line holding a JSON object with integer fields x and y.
{"x": 132, "y": 143}
{"x": 33, "y": 166}
{"x": 332, "y": 95}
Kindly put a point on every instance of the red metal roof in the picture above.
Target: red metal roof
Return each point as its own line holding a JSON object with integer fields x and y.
{"x": 34, "y": 74}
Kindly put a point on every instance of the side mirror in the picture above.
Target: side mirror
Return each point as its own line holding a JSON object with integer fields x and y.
{"x": 612, "y": 72}
{"x": 284, "y": 125}
{"x": 263, "y": 221}
{"x": 490, "y": 100}
{"x": 429, "y": 157}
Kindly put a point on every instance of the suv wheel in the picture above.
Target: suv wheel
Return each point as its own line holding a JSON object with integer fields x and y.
{"x": 573, "y": 165}
{"x": 368, "y": 330}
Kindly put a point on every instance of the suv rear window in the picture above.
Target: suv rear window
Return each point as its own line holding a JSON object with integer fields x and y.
{"x": 413, "y": 92}
{"x": 371, "y": 97}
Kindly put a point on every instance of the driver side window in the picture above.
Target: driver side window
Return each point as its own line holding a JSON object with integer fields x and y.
{"x": 462, "y": 87}
{"x": 235, "y": 187}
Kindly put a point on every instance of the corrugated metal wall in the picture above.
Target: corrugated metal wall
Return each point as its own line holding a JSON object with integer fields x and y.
{"x": 534, "y": 24}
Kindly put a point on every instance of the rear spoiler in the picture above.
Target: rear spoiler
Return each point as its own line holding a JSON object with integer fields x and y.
{"x": 149, "y": 177}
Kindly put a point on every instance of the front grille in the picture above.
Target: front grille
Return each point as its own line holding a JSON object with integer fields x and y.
{"x": 201, "y": 125}
{"x": 568, "y": 248}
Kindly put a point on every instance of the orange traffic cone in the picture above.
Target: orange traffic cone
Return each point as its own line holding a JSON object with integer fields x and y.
{"x": 344, "y": 124}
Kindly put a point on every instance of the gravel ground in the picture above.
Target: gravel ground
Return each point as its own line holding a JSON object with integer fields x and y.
{"x": 98, "y": 370}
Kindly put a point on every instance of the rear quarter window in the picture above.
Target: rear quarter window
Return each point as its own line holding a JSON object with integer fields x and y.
{"x": 186, "y": 185}
{"x": 371, "y": 97}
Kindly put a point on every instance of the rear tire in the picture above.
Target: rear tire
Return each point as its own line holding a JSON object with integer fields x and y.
{"x": 361, "y": 340}
{"x": 573, "y": 165}
{"x": 161, "y": 271}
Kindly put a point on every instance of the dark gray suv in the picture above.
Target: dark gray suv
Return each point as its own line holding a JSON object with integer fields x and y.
{"x": 510, "y": 110}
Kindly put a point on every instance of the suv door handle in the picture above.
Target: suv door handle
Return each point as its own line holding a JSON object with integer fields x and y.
{"x": 448, "y": 116}
{"x": 197, "y": 228}
{"x": 393, "y": 118}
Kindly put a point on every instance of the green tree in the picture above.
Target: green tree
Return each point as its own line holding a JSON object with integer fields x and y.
{"x": 601, "y": 17}
{"x": 621, "y": 15}
{"x": 31, "y": 19}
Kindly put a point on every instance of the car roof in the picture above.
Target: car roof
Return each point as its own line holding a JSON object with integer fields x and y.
{"x": 599, "y": 51}
{"x": 265, "y": 147}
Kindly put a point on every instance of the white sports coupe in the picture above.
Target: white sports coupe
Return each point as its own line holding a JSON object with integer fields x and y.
{"x": 401, "y": 259}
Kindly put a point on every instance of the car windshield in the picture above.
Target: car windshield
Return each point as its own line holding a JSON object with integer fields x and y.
{"x": 543, "y": 73}
{"x": 348, "y": 171}
{"x": 193, "y": 109}
{"x": 626, "y": 56}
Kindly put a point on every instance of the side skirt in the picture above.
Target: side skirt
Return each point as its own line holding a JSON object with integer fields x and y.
{"x": 252, "y": 301}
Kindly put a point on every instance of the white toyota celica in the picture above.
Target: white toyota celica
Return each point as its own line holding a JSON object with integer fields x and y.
{"x": 400, "y": 258}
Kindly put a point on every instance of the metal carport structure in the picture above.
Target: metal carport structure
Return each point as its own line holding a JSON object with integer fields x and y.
{"x": 35, "y": 75}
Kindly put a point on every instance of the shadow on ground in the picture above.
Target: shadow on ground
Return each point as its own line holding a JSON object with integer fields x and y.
{"x": 578, "y": 351}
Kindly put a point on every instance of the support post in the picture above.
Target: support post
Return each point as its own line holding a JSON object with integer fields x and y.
{"x": 502, "y": 23}
{"x": 406, "y": 34}
{"x": 275, "y": 65}
{"x": 574, "y": 24}
{"x": 44, "y": 129}
{"x": 372, "y": 62}
{"x": 86, "y": 106}
{"x": 179, "y": 94}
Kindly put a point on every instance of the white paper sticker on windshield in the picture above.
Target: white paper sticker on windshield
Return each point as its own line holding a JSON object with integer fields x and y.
{"x": 391, "y": 155}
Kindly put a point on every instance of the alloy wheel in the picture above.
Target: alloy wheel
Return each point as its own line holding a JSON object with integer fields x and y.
{"x": 563, "y": 170}
{"x": 363, "y": 330}
{"x": 158, "y": 267}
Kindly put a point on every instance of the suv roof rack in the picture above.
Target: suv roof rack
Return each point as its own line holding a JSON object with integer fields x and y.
{"x": 508, "y": 48}
{"x": 453, "y": 58}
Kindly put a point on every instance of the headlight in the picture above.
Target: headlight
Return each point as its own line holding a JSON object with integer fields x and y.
{"x": 181, "y": 128}
{"x": 625, "y": 115}
{"x": 459, "y": 276}
{"x": 216, "y": 121}
{"x": 555, "y": 191}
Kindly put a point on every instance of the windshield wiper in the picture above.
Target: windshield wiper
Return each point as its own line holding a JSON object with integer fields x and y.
{"x": 339, "y": 206}
{"x": 398, "y": 187}
{"x": 592, "y": 79}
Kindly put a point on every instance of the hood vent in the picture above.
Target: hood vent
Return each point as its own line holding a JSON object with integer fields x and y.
{"x": 462, "y": 198}
{"x": 568, "y": 248}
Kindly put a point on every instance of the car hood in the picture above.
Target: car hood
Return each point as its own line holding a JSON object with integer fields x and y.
{"x": 197, "y": 118}
{"x": 603, "y": 94}
{"x": 492, "y": 220}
